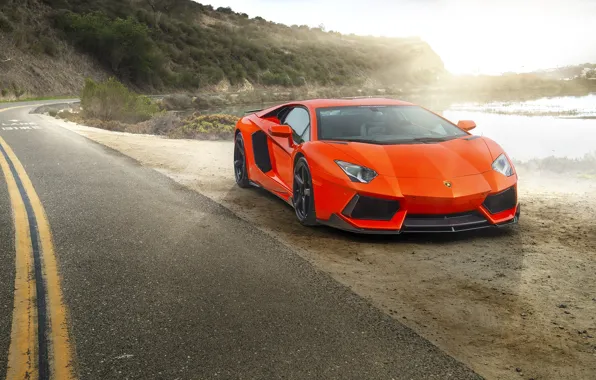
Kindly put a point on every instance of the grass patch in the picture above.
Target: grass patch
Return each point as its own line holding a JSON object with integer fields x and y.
{"x": 587, "y": 176}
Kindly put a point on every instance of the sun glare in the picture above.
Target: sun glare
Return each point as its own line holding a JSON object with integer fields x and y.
{"x": 470, "y": 36}
{"x": 492, "y": 38}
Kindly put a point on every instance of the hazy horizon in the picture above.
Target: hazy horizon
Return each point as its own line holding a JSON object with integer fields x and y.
{"x": 472, "y": 37}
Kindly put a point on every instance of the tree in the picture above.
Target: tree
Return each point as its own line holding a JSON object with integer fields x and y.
{"x": 166, "y": 6}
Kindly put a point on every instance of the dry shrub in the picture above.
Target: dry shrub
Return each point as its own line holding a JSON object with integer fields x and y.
{"x": 176, "y": 102}
{"x": 68, "y": 115}
{"x": 163, "y": 124}
{"x": 140, "y": 128}
{"x": 206, "y": 127}
{"x": 204, "y": 101}
{"x": 110, "y": 125}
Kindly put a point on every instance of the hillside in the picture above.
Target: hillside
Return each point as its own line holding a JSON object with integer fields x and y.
{"x": 47, "y": 47}
{"x": 586, "y": 70}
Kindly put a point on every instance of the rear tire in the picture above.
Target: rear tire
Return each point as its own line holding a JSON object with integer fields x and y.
{"x": 240, "y": 170}
{"x": 303, "y": 195}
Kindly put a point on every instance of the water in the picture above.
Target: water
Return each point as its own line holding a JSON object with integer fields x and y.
{"x": 559, "y": 127}
{"x": 580, "y": 107}
{"x": 527, "y": 137}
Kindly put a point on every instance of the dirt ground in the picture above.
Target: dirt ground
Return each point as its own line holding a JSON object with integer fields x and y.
{"x": 512, "y": 303}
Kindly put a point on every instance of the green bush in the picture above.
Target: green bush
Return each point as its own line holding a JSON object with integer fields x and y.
{"x": 49, "y": 46}
{"x": 226, "y": 10}
{"x": 272, "y": 79}
{"x": 4, "y": 92}
{"x": 5, "y": 24}
{"x": 111, "y": 100}
{"x": 123, "y": 44}
{"x": 53, "y": 113}
{"x": 18, "y": 92}
{"x": 216, "y": 126}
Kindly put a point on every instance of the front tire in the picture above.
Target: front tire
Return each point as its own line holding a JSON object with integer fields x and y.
{"x": 240, "y": 170}
{"x": 303, "y": 196}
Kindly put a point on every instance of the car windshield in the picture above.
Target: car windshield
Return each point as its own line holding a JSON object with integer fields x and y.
{"x": 384, "y": 125}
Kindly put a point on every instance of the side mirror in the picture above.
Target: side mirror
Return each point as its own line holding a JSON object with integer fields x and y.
{"x": 284, "y": 131}
{"x": 466, "y": 125}
{"x": 281, "y": 131}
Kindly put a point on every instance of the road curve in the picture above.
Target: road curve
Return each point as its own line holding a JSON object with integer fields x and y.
{"x": 160, "y": 282}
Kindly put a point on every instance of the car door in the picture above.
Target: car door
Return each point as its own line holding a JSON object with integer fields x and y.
{"x": 298, "y": 118}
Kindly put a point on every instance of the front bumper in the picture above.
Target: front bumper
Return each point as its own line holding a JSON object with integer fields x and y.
{"x": 428, "y": 223}
{"x": 419, "y": 205}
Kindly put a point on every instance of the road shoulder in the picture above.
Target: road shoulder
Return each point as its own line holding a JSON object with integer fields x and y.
{"x": 489, "y": 299}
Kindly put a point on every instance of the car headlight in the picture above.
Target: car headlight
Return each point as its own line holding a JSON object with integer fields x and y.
{"x": 503, "y": 166}
{"x": 357, "y": 173}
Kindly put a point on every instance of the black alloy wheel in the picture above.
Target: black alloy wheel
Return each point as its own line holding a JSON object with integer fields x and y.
{"x": 240, "y": 171}
{"x": 303, "y": 196}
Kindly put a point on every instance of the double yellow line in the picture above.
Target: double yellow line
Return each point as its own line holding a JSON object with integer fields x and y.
{"x": 40, "y": 347}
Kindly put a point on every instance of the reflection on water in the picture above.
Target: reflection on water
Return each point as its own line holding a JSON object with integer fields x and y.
{"x": 564, "y": 106}
{"x": 568, "y": 131}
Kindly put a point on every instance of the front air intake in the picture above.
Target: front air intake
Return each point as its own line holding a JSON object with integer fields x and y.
{"x": 505, "y": 200}
{"x": 368, "y": 208}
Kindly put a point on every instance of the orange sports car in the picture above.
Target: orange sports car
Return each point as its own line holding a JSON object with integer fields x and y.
{"x": 376, "y": 166}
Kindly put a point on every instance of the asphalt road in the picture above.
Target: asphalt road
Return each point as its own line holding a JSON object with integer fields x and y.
{"x": 162, "y": 283}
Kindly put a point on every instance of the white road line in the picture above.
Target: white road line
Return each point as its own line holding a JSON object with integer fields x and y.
{"x": 20, "y": 128}
{"x": 17, "y": 125}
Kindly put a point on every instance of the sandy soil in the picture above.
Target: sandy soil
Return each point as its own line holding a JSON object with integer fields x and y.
{"x": 514, "y": 303}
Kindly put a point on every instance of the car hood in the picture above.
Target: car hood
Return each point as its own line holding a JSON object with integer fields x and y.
{"x": 449, "y": 159}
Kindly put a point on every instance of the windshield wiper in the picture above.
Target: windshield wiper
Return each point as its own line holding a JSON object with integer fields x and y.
{"x": 366, "y": 141}
{"x": 423, "y": 140}
{"x": 431, "y": 139}
{"x": 376, "y": 142}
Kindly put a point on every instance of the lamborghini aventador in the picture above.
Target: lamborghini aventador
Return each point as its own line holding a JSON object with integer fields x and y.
{"x": 376, "y": 166}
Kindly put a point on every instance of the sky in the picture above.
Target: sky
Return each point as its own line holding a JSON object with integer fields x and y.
{"x": 471, "y": 36}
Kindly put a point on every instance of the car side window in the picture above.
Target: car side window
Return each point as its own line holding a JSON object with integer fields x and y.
{"x": 299, "y": 120}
